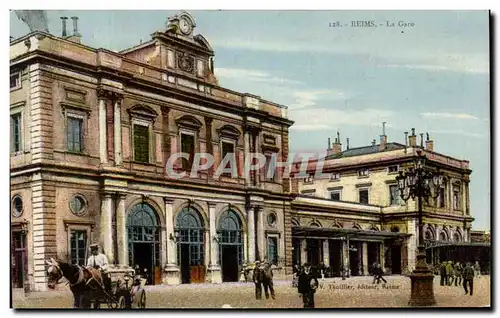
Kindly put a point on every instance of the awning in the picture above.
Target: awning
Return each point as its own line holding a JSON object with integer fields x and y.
{"x": 323, "y": 233}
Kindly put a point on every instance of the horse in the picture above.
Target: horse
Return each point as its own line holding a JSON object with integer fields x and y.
{"x": 79, "y": 280}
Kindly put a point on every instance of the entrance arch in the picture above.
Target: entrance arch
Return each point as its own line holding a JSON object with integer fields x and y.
{"x": 230, "y": 235}
{"x": 190, "y": 246}
{"x": 144, "y": 241}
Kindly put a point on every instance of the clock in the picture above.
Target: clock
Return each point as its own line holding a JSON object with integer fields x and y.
{"x": 185, "y": 26}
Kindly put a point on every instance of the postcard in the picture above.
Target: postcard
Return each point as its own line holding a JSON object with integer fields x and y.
{"x": 249, "y": 159}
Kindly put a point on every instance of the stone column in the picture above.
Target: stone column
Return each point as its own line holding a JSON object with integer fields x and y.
{"x": 106, "y": 227}
{"x": 163, "y": 247}
{"x": 303, "y": 251}
{"x": 382, "y": 256}
{"x": 261, "y": 236}
{"x": 251, "y": 234}
{"x": 365, "y": 258}
{"x": 258, "y": 175}
{"x": 347, "y": 265}
{"x": 326, "y": 253}
{"x": 172, "y": 268}
{"x": 248, "y": 180}
{"x": 102, "y": 131}
{"x": 121, "y": 231}
{"x": 214, "y": 272}
{"x": 118, "y": 133}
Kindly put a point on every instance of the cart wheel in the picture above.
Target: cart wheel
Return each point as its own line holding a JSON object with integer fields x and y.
{"x": 113, "y": 304}
{"x": 142, "y": 303}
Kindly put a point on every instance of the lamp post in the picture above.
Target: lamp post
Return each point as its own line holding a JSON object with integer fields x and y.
{"x": 419, "y": 183}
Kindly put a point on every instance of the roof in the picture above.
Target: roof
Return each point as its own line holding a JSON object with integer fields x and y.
{"x": 366, "y": 150}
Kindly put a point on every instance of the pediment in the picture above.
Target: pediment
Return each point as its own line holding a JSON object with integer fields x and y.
{"x": 189, "y": 122}
{"x": 143, "y": 111}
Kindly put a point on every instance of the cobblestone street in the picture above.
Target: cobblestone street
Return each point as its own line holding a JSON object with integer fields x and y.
{"x": 333, "y": 293}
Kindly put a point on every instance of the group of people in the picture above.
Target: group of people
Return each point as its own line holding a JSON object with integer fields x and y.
{"x": 459, "y": 274}
{"x": 263, "y": 277}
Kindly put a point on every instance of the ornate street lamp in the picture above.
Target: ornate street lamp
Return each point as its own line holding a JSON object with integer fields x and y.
{"x": 419, "y": 183}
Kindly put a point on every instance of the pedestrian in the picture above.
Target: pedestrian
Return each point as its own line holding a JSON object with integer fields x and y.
{"x": 449, "y": 273}
{"x": 295, "y": 277}
{"x": 267, "y": 280}
{"x": 458, "y": 273}
{"x": 442, "y": 271}
{"x": 308, "y": 283}
{"x": 378, "y": 274}
{"x": 468, "y": 276}
{"x": 257, "y": 279}
{"x": 477, "y": 269}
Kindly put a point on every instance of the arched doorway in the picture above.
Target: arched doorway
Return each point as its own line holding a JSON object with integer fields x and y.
{"x": 190, "y": 247}
{"x": 230, "y": 245}
{"x": 144, "y": 241}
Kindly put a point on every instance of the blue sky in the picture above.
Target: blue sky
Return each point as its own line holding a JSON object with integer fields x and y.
{"x": 433, "y": 76}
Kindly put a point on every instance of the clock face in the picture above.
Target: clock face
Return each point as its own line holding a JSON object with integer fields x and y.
{"x": 184, "y": 26}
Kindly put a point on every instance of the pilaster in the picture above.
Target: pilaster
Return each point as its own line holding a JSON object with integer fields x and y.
{"x": 214, "y": 271}
{"x": 106, "y": 227}
{"x": 44, "y": 228}
{"x": 121, "y": 231}
{"x": 172, "y": 271}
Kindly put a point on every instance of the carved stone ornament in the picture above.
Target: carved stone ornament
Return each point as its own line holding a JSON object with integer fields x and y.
{"x": 185, "y": 62}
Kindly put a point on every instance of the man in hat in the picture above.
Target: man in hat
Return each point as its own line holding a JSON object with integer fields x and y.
{"x": 267, "y": 280}
{"x": 468, "y": 277}
{"x": 257, "y": 279}
{"x": 99, "y": 261}
{"x": 307, "y": 285}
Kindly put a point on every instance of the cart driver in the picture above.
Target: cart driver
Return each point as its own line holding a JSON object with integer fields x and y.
{"x": 99, "y": 261}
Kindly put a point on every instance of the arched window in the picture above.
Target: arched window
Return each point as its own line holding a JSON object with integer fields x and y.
{"x": 190, "y": 226}
{"x": 190, "y": 243}
{"x": 395, "y": 229}
{"x": 442, "y": 236}
{"x": 230, "y": 228}
{"x": 428, "y": 235}
{"x": 142, "y": 224}
{"x": 230, "y": 238}
{"x": 457, "y": 237}
{"x": 143, "y": 230}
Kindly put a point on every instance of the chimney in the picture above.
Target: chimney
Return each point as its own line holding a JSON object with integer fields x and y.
{"x": 413, "y": 138}
{"x": 63, "y": 20}
{"x": 347, "y": 143}
{"x": 429, "y": 144}
{"x": 75, "y": 37}
{"x": 75, "y": 26}
{"x": 383, "y": 138}
{"x": 406, "y": 141}
{"x": 337, "y": 146}
{"x": 374, "y": 142}
{"x": 329, "y": 144}
{"x": 422, "y": 140}
{"x": 294, "y": 181}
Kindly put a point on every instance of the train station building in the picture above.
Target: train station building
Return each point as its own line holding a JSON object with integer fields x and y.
{"x": 92, "y": 133}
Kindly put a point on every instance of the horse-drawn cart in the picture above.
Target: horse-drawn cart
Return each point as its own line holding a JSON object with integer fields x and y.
{"x": 127, "y": 291}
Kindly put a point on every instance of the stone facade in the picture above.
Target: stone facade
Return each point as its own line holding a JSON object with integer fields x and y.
{"x": 374, "y": 169}
{"x": 95, "y": 190}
